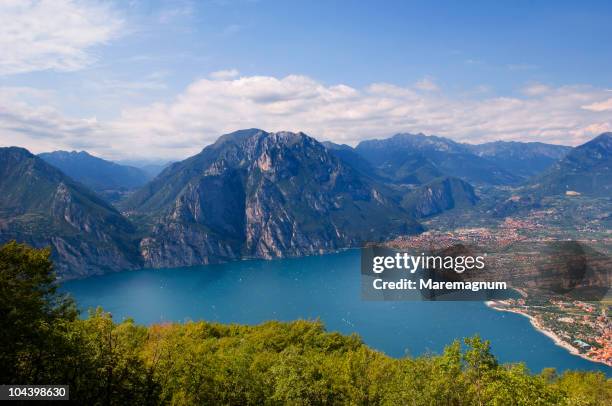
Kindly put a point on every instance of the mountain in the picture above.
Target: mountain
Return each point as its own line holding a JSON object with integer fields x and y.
{"x": 524, "y": 159}
{"x": 414, "y": 169}
{"x": 254, "y": 194}
{"x": 102, "y": 176}
{"x": 436, "y": 193}
{"x": 586, "y": 169}
{"x": 259, "y": 194}
{"x": 42, "y": 206}
{"x": 349, "y": 156}
{"x": 417, "y": 157}
{"x": 439, "y": 195}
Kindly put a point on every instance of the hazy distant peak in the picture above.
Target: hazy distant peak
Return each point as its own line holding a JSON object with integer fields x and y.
{"x": 418, "y": 141}
{"x": 96, "y": 173}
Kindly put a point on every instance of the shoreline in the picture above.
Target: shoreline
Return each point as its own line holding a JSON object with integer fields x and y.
{"x": 555, "y": 338}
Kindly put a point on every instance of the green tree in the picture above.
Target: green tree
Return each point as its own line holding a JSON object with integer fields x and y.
{"x": 33, "y": 316}
{"x": 586, "y": 388}
{"x": 480, "y": 365}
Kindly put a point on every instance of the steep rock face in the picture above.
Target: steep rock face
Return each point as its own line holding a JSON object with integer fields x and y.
{"x": 440, "y": 195}
{"x": 586, "y": 169}
{"x": 264, "y": 195}
{"x": 204, "y": 224}
{"x": 43, "y": 207}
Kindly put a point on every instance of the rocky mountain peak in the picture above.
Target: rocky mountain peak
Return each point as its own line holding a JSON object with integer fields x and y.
{"x": 261, "y": 194}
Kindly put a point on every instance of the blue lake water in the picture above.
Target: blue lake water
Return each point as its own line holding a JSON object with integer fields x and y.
{"x": 326, "y": 287}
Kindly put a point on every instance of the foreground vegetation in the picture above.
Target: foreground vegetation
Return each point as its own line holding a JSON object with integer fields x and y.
{"x": 43, "y": 341}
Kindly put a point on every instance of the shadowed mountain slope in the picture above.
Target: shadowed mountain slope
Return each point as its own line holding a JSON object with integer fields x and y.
{"x": 43, "y": 207}
{"x": 586, "y": 169}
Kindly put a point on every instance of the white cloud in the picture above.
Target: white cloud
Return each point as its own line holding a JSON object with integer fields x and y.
{"x": 605, "y": 105}
{"x": 208, "y": 108}
{"x": 225, "y": 74}
{"x": 27, "y": 120}
{"x": 52, "y": 34}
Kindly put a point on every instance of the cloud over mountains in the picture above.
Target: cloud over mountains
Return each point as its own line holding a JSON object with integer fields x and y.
{"x": 225, "y": 102}
{"x": 65, "y": 36}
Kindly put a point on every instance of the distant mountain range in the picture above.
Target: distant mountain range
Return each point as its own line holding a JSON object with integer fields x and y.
{"x": 254, "y": 194}
{"x": 417, "y": 158}
{"x": 104, "y": 177}
{"x": 524, "y": 159}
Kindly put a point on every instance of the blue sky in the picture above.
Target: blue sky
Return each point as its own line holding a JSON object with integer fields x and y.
{"x": 139, "y": 79}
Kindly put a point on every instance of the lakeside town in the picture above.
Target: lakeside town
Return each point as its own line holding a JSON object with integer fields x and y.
{"x": 582, "y": 328}
{"x": 518, "y": 249}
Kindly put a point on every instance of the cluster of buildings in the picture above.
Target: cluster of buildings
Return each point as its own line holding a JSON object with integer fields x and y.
{"x": 582, "y": 326}
{"x": 480, "y": 237}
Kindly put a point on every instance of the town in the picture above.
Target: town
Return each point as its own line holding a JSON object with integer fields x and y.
{"x": 518, "y": 249}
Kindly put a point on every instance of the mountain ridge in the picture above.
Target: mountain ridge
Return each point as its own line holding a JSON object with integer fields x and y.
{"x": 258, "y": 194}
{"x": 445, "y": 155}
{"x": 287, "y": 193}
{"x": 525, "y": 159}
{"x": 107, "y": 178}
{"x": 586, "y": 169}
{"x": 44, "y": 207}
{"x": 495, "y": 163}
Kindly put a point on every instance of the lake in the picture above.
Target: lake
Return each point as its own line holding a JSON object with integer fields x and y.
{"x": 326, "y": 287}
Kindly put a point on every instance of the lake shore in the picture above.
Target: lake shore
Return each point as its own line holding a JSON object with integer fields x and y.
{"x": 555, "y": 338}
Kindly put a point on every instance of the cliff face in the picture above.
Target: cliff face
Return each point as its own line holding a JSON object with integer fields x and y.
{"x": 264, "y": 195}
{"x": 439, "y": 195}
{"x": 43, "y": 207}
{"x": 204, "y": 223}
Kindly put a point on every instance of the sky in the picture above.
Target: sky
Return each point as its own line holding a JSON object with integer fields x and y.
{"x": 160, "y": 80}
